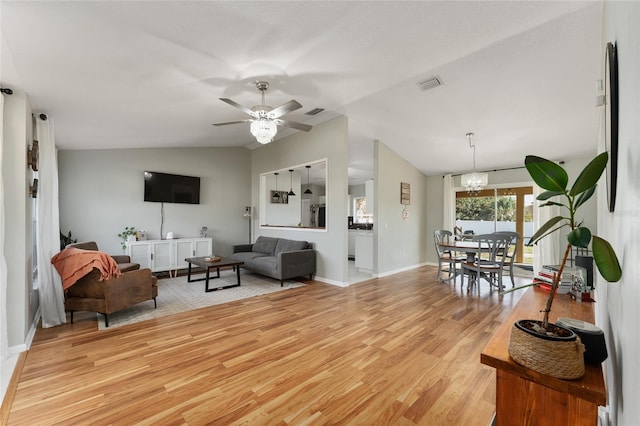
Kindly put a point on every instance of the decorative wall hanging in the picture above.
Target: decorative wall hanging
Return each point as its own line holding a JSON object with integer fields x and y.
{"x": 279, "y": 197}
{"x": 405, "y": 193}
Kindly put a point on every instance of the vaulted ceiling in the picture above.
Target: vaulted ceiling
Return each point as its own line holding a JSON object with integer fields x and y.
{"x": 521, "y": 75}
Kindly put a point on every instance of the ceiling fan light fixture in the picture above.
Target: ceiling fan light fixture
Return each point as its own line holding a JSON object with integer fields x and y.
{"x": 263, "y": 130}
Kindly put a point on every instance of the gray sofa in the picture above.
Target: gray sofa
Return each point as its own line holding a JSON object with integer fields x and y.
{"x": 277, "y": 258}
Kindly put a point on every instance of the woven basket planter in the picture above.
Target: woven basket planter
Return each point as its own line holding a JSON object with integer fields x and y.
{"x": 557, "y": 356}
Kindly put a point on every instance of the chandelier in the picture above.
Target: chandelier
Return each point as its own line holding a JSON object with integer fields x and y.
{"x": 474, "y": 181}
{"x": 263, "y": 130}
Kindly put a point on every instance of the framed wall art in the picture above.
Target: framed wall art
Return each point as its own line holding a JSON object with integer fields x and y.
{"x": 405, "y": 193}
{"x": 611, "y": 121}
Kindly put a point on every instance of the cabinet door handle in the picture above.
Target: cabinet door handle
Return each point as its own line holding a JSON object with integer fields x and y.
{"x": 151, "y": 256}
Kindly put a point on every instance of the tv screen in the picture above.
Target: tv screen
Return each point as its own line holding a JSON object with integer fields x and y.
{"x": 167, "y": 188}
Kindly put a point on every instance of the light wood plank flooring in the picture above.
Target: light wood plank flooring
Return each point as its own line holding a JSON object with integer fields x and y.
{"x": 401, "y": 350}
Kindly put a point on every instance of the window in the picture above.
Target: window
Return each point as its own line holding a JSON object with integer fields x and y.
{"x": 500, "y": 209}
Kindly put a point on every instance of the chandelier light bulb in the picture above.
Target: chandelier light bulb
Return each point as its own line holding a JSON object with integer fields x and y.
{"x": 264, "y": 130}
{"x": 474, "y": 182}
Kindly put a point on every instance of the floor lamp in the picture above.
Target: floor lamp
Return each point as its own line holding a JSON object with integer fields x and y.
{"x": 247, "y": 215}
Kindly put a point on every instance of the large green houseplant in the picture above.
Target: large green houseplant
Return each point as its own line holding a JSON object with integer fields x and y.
{"x": 554, "y": 180}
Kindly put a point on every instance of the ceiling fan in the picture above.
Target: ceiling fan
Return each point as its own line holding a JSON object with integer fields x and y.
{"x": 265, "y": 119}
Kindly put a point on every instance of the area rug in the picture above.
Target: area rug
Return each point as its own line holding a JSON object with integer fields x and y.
{"x": 177, "y": 295}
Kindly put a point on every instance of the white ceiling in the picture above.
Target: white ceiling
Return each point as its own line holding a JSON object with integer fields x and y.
{"x": 521, "y": 75}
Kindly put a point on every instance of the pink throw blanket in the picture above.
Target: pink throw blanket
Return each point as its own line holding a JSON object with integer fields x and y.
{"x": 74, "y": 263}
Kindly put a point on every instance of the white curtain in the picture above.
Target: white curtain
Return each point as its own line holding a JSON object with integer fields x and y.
{"x": 449, "y": 204}
{"x": 4, "y": 342}
{"x": 48, "y": 229}
{"x": 547, "y": 251}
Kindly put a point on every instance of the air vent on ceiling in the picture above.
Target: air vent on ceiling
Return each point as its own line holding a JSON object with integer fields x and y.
{"x": 314, "y": 111}
{"x": 430, "y": 83}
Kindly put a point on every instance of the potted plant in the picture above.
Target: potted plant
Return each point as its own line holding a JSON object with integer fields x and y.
{"x": 560, "y": 345}
{"x": 129, "y": 234}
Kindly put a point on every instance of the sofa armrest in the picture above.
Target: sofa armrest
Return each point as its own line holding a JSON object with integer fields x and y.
{"x": 241, "y": 248}
{"x": 297, "y": 263}
{"x": 128, "y": 289}
{"x": 121, "y": 258}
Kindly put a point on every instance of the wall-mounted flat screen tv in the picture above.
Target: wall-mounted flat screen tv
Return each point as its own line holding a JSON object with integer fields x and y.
{"x": 168, "y": 188}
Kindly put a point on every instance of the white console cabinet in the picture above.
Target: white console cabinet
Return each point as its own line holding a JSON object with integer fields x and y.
{"x": 168, "y": 255}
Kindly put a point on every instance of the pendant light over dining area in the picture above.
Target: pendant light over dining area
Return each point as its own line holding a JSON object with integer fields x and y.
{"x": 291, "y": 193}
{"x": 276, "y": 194}
{"x": 308, "y": 190}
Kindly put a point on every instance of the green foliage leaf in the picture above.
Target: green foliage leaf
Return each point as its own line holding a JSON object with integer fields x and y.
{"x": 606, "y": 260}
{"x": 579, "y": 237}
{"x": 552, "y": 203}
{"x": 542, "y": 231}
{"x": 590, "y": 174}
{"x": 582, "y": 198}
{"x": 546, "y": 174}
{"x": 548, "y": 194}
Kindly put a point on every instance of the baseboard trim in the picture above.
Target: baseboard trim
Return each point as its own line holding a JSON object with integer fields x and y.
{"x": 332, "y": 282}
{"x": 406, "y": 268}
{"x": 7, "y": 399}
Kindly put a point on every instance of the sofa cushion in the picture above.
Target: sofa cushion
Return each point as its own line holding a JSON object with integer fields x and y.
{"x": 266, "y": 264}
{"x": 290, "y": 245}
{"x": 247, "y": 256}
{"x": 265, "y": 245}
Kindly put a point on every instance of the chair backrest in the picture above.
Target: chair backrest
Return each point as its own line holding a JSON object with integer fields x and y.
{"x": 515, "y": 243}
{"x": 85, "y": 245}
{"x": 441, "y": 236}
{"x": 496, "y": 246}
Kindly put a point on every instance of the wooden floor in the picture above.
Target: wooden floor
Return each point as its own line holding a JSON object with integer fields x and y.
{"x": 401, "y": 350}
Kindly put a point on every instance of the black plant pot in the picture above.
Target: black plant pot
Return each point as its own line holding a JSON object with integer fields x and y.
{"x": 558, "y": 353}
{"x": 557, "y": 333}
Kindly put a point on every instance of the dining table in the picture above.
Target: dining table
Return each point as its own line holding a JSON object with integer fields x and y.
{"x": 473, "y": 250}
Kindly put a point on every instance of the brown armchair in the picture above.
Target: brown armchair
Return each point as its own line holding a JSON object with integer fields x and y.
{"x": 112, "y": 295}
{"x": 123, "y": 261}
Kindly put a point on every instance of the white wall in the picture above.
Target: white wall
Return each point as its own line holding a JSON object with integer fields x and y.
{"x": 327, "y": 140}
{"x": 288, "y": 214}
{"x": 22, "y": 298}
{"x": 618, "y": 307}
{"x": 398, "y": 244}
{"x": 102, "y": 191}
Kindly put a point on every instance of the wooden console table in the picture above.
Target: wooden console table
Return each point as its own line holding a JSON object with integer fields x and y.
{"x": 525, "y": 397}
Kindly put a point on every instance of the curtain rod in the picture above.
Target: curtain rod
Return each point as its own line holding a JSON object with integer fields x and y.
{"x": 487, "y": 171}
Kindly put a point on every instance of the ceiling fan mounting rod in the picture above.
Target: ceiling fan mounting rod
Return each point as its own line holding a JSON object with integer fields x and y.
{"x": 262, "y": 86}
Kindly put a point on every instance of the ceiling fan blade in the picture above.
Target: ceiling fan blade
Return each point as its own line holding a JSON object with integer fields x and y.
{"x": 248, "y": 120}
{"x": 293, "y": 125}
{"x": 285, "y": 108}
{"x": 240, "y": 107}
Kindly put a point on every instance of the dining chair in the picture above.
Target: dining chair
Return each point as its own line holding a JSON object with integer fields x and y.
{"x": 511, "y": 255}
{"x": 445, "y": 256}
{"x": 494, "y": 249}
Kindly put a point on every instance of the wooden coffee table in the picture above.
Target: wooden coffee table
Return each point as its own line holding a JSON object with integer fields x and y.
{"x": 208, "y": 265}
